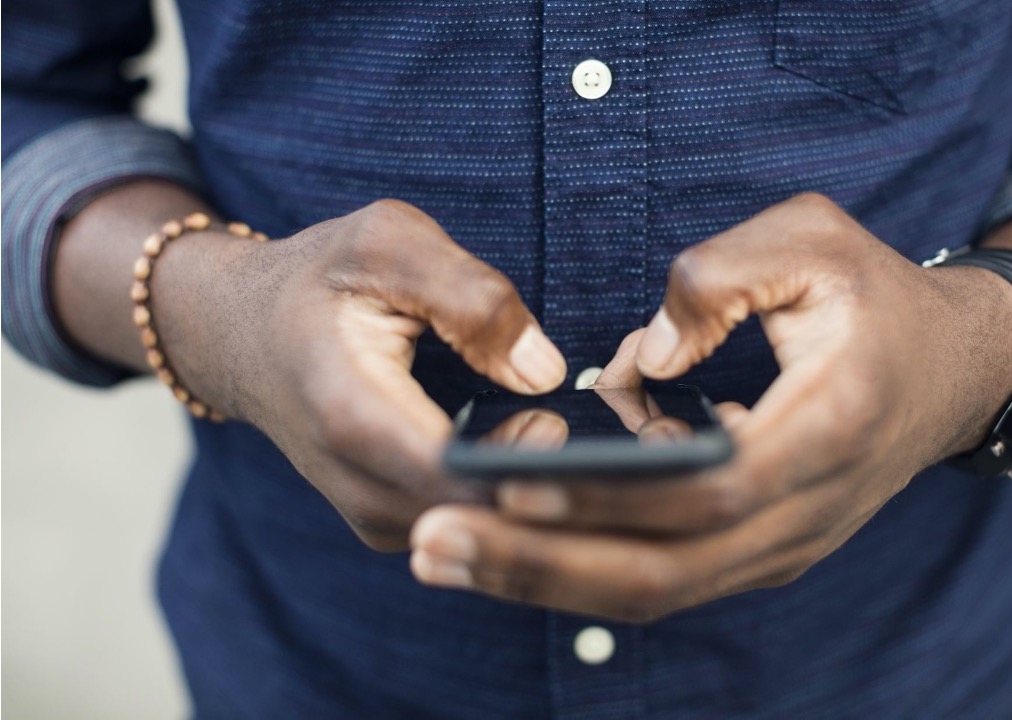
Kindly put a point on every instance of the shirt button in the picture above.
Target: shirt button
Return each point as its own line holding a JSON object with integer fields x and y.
{"x": 591, "y": 79}
{"x": 594, "y": 645}
{"x": 587, "y": 377}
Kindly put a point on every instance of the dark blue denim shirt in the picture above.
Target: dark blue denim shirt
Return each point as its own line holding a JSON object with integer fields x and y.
{"x": 899, "y": 110}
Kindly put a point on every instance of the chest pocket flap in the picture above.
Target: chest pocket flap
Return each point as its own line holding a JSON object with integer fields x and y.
{"x": 880, "y": 51}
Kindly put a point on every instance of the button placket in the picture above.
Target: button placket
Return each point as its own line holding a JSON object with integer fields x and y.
{"x": 595, "y": 180}
{"x": 595, "y": 204}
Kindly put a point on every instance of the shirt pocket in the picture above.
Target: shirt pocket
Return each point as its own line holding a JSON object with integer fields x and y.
{"x": 883, "y": 52}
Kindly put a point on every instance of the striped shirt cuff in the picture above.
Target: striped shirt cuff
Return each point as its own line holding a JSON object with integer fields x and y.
{"x": 43, "y": 184}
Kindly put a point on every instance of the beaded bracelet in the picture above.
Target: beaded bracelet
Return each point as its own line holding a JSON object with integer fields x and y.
{"x": 143, "y": 318}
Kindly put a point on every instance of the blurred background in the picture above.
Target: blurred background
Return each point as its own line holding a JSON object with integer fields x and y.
{"x": 90, "y": 479}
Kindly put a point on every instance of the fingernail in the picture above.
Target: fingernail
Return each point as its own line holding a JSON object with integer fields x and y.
{"x": 536, "y": 502}
{"x": 537, "y": 361}
{"x": 437, "y": 570}
{"x": 434, "y": 536}
{"x": 659, "y": 343}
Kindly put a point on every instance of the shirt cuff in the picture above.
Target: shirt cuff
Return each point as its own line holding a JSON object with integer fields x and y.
{"x": 43, "y": 184}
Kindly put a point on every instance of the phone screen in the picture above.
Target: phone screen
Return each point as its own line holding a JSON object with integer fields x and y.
{"x": 587, "y": 433}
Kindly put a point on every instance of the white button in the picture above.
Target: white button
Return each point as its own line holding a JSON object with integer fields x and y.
{"x": 587, "y": 377}
{"x": 594, "y": 645}
{"x": 591, "y": 79}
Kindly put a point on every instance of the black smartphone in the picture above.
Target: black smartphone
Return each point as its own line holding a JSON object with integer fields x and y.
{"x": 593, "y": 433}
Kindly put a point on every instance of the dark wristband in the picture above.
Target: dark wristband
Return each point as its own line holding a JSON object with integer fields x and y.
{"x": 997, "y": 260}
{"x": 994, "y": 457}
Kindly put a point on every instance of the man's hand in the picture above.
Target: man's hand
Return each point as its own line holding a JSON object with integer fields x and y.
{"x": 312, "y": 339}
{"x": 887, "y": 368}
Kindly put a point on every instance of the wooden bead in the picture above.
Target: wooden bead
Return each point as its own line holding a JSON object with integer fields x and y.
{"x": 240, "y": 229}
{"x": 215, "y": 416}
{"x": 259, "y": 237}
{"x": 196, "y": 221}
{"x": 142, "y": 316}
{"x": 172, "y": 229}
{"x": 155, "y": 359}
{"x": 197, "y": 408}
{"x": 142, "y": 268}
{"x": 149, "y": 338}
{"x": 153, "y": 245}
{"x": 165, "y": 377}
{"x": 139, "y": 291}
{"x": 181, "y": 394}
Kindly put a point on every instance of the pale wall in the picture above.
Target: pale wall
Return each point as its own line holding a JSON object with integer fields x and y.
{"x": 89, "y": 481}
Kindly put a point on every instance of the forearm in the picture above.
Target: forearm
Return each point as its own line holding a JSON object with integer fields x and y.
{"x": 199, "y": 295}
{"x": 93, "y": 265}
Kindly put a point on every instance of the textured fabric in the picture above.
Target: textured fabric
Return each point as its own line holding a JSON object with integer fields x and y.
{"x": 40, "y": 188}
{"x": 1001, "y": 209}
{"x": 896, "y": 109}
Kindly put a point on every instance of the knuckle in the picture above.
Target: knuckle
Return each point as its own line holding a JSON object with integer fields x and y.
{"x": 781, "y": 579}
{"x": 375, "y": 527}
{"x": 383, "y": 543}
{"x": 521, "y": 575}
{"x": 387, "y": 211}
{"x": 815, "y": 203}
{"x": 377, "y": 220}
{"x": 687, "y": 270}
{"x": 647, "y": 591}
{"x": 492, "y": 291}
{"x": 725, "y": 504}
{"x": 650, "y": 581}
{"x": 486, "y": 309}
{"x": 380, "y": 221}
{"x": 826, "y": 217}
{"x": 518, "y": 586}
{"x": 380, "y": 540}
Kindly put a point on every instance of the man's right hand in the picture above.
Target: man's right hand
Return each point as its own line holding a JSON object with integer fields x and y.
{"x": 312, "y": 338}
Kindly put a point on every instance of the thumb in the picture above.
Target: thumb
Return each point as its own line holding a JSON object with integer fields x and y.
{"x": 471, "y": 306}
{"x": 768, "y": 263}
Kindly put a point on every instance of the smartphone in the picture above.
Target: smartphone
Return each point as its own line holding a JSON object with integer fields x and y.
{"x": 591, "y": 434}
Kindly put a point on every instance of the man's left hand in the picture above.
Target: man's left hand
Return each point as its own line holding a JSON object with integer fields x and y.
{"x": 886, "y": 368}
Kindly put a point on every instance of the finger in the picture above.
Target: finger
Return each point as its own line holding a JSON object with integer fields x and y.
{"x": 471, "y": 548}
{"x": 374, "y": 413}
{"x": 621, "y": 577}
{"x": 694, "y": 503}
{"x": 632, "y": 405}
{"x": 769, "y": 262}
{"x": 415, "y": 267}
{"x": 731, "y": 414}
{"x": 806, "y": 428}
{"x": 622, "y": 372}
{"x": 380, "y": 513}
{"x": 688, "y": 503}
{"x": 537, "y": 429}
{"x": 663, "y": 430}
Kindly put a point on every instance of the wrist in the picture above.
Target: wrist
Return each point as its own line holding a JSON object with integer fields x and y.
{"x": 977, "y": 306}
{"x": 94, "y": 252}
{"x": 208, "y": 316}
